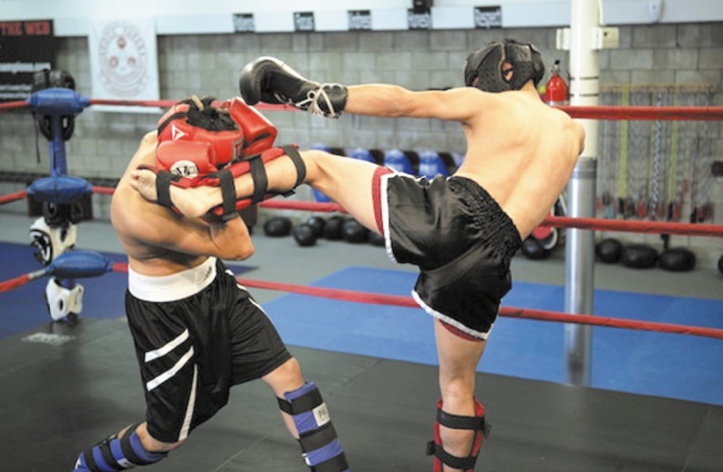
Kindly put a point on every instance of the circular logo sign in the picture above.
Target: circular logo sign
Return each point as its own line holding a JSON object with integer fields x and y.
{"x": 123, "y": 59}
{"x": 185, "y": 168}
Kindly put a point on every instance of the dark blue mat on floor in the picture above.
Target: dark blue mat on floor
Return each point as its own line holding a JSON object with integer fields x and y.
{"x": 24, "y": 308}
{"x": 668, "y": 365}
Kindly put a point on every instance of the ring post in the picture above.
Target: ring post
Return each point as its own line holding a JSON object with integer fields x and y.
{"x": 583, "y": 39}
{"x": 58, "y": 160}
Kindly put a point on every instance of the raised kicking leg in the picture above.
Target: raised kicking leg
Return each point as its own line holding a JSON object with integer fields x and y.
{"x": 346, "y": 181}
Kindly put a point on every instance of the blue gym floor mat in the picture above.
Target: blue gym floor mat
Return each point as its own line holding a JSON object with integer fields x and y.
{"x": 667, "y": 365}
{"x": 24, "y": 307}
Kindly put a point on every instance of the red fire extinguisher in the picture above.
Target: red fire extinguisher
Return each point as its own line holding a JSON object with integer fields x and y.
{"x": 556, "y": 89}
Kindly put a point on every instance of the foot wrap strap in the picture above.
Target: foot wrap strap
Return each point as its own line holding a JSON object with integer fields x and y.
{"x": 116, "y": 454}
{"x": 318, "y": 439}
{"x": 475, "y": 423}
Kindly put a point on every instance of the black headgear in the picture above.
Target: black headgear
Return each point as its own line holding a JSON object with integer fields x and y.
{"x": 485, "y": 66}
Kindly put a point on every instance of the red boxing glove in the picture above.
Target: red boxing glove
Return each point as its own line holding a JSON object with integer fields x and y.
{"x": 259, "y": 133}
{"x": 186, "y": 159}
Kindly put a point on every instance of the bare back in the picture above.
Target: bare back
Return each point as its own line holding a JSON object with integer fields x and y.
{"x": 522, "y": 152}
{"x": 518, "y": 148}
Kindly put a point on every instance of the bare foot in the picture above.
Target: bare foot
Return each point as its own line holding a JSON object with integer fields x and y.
{"x": 143, "y": 181}
{"x": 191, "y": 202}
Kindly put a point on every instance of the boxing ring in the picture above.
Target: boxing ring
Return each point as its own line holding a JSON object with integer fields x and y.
{"x": 77, "y": 264}
{"x": 57, "y": 102}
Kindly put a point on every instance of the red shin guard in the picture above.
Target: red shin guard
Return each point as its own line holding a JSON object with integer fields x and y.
{"x": 475, "y": 423}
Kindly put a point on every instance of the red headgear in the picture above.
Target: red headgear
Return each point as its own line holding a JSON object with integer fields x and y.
{"x": 196, "y": 138}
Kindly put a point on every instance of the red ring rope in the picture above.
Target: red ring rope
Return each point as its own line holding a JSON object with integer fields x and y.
{"x": 11, "y": 197}
{"x": 14, "y": 105}
{"x": 705, "y": 113}
{"x": 657, "y": 227}
{"x": 170, "y": 103}
{"x": 654, "y": 227}
{"x": 508, "y": 312}
{"x": 644, "y": 113}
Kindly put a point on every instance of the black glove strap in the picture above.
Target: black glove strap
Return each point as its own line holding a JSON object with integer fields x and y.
{"x": 295, "y": 157}
{"x": 163, "y": 188}
{"x": 228, "y": 193}
{"x": 261, "y": 180}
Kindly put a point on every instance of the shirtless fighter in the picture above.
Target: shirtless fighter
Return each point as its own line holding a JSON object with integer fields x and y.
{"x": 196, "y": 331}
{"x": 460, "y": 231}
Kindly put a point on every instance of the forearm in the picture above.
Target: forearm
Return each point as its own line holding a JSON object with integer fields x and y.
{"x": 378, "y": 100}
{"x": 231, "y": 239}
{"x": 198, "y": 201}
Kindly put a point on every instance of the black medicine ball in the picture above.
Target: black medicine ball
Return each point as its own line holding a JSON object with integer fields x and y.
{"x": 353, "y": 232}
{"x": 639, "y": 256}
{"x": 678, "y": 259}
{"x": 305, "y": 235}
{"x": 720, "y": 265}
{"x": 376, "y": 239}
{"x": 317, "y": 224}
{"x": 332, "y": 228}
{"x": 532, "y": 249}
{"x": 609, "y": 250}
{"x": 277, "y": 226}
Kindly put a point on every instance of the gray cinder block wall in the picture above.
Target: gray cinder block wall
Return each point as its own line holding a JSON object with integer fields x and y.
{"x": 210, "y": 65}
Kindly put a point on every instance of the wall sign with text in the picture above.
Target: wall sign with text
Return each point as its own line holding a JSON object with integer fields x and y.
{"x": 360, "y": 20}
{"x": 304, "y": 21}
{"x": 244, "y": 23}
{"x": 26, "y": 47}
{"x": 419, "y": 20}
{"x": 487, "y": 17}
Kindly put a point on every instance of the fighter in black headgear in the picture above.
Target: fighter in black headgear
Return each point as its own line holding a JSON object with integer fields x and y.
{"x": 485, "y": 67}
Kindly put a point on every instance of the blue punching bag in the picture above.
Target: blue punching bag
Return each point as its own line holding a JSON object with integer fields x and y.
{"x": 397, "y": 160}
{"x": 362, "y": 155}
{"x": 431, "y": 165}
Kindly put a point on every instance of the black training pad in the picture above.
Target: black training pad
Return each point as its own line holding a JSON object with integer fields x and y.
{"x": 59, "y": 399}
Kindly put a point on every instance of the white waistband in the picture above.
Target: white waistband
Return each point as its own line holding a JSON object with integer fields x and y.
{"x": 167, "y": 288}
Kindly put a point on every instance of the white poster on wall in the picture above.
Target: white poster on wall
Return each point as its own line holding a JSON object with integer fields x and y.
{"x": 123, "y": 62}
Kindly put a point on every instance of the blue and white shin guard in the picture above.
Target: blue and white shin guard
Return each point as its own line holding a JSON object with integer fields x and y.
{"x": 116, "y": 454}
{"x": 319, "y": 444}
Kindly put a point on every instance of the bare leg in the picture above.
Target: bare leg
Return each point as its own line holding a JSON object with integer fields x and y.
{"x": 458, "y": 359}
{"x": 152, "y": 444}
{"x": 284, "y": 379}
{"x": 346, "y": 181}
